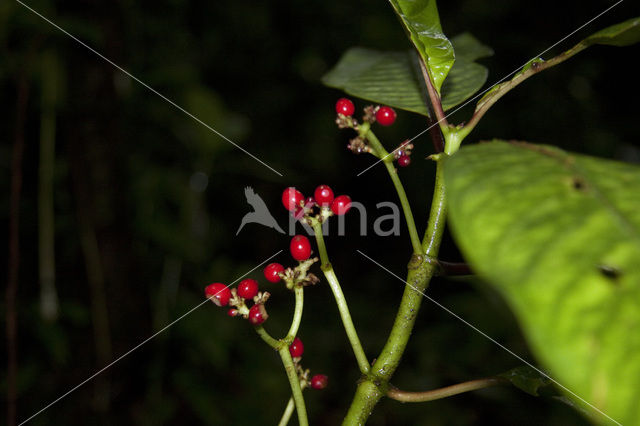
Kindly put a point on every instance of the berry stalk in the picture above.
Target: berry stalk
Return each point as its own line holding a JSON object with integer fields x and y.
{"x": 297, "y": 314}
{"x": 294, "y": 381}
{"x": 341, "y": 302}
{"x": 288, "y": 411}
{"x": 387, "y": 159}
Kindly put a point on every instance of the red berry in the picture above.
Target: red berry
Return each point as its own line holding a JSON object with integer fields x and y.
{"x": 386, "y": 116}
{"x": 324, "y": 195}
{"x": 404, "y": 160}
{"x": 344, "y": 106}
{"x": 272, "y": 271}
{"x": 257, "y": 314}
{"x": 300, "y": 247}
{"x": 341, "y": 204}
{"x": 292, "y": 199}
{"x": 218, "y": 293}
{"x": 319, "y": 381}
{"x": 296, "y": 348}
{"x": 232, "y": 312}
{"x": 248, "y": 288}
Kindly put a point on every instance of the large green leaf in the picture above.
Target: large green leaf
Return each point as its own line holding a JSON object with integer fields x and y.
{"x": 558, "y": 235}
{"x": 420, "y": 19}
{"x": 392, "y": 78}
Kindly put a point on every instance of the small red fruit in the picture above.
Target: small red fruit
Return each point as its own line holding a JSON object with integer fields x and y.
{"x": 404, "y": 160}
{"x": 319, "y": 381}
{"x": 218, "y": 293}
{"x": 300, "y": 247}
{"x": 257, "y": 314}
{"x": 341, "y": 204}
{"x": 272, "y": 271}
{"x": 248, "y": 288}
{"x": 324, "y": 195}
{"x": 232, "y": 312}
{"x": 296, "y": 348}
{"x": 292, "y": 199}
{"x": 386, "y": 116}
{"x": 344, "y": 106}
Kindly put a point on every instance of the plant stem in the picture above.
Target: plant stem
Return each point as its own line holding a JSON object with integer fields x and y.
{"x": 393, "y": 173}
{"x": 275, "y": 344}
{"x": 297, "y": 314}
{"x": 284, "y": 421}
{"x": 498, "y": 91}
{"x": 420, "y": 270}
{"x": 294, "y": 381}
{"x": 404, "y": 396}
{"x": 434, "y": 97}
{"x": 341, "y": 302}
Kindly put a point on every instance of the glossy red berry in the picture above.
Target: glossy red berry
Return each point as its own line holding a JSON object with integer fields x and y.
{"x": 232, "y": 312}
{"x": 404, "y": 160}
{"x": 257, "y": 314}
{"x": 344, "y": 106}
{"x": 386, "y": 116}
{"x": 300, "y": 247}
{"x": 319, "y": 381}
{"x": 292, "y": 199}
{"x": 341, "y": 204}
{"x": 324, "y": 195}
{"x": 247, "y": 288}
{"x": 218, "y": 293}
{"x": 296, "y": 348}
{"x": 272, "y": 271}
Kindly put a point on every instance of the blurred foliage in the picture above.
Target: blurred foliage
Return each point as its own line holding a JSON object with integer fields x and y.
{"x": 165, "y": 196}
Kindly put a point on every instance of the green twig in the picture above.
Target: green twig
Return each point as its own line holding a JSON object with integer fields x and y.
{"x": 420, "y": 270}
{"x": 284, "y": 421}
{"x": 341, "y": 302}
{"x": 404, "y": 396}
{"x": 275, "y": 344}
{"x": 387, "y": 158}
{"x": 297, "y": 314}
{"x": 294, "y": 381}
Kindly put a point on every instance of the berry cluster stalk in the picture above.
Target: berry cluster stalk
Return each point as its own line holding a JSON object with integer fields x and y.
{"x": 341, "y": 302}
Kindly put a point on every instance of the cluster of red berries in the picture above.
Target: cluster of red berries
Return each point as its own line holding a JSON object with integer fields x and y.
{"x": 319, "y": 381}
{"x": 221, "y": 295}
{"x": 323, "y": 197}
{"x": 384, "y": 115}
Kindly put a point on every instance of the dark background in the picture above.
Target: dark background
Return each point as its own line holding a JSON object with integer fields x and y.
{"x": 137, "y": 237}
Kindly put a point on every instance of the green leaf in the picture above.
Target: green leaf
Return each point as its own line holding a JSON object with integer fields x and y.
{"x": 381, "y": 77}
{"x": 390, "y": 77}
{"x": 420, "y": 19}
{"x": 622, "y": 34}
{"x": 558, "y": 235}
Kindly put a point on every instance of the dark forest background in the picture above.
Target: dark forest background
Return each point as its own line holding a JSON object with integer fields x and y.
{"x": 141, "y": 203}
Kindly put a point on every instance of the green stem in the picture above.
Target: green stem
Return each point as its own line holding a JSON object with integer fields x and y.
{"x": 294, "y": 382}
{"x": 284, "y": 421}
{"x": 393, "y": 173}
{"x": 420, "y": 270}
{"x": 432, "y": 395}
{"x": 297, "y": 314}
{"x": 275, "y": 344}
{"x": 341, "y": 302}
